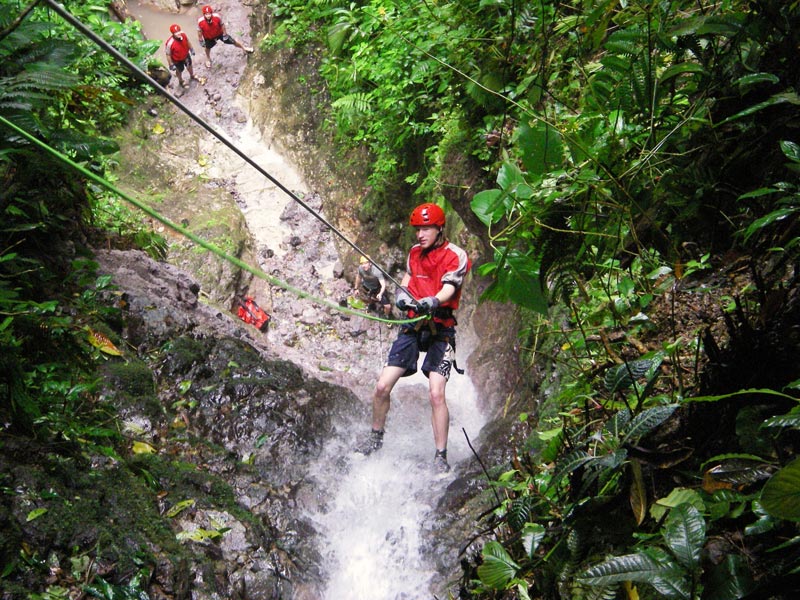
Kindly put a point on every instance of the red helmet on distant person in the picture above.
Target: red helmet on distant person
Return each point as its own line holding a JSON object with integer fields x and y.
{"x": 174, "y": 28}
{"x": 427, "y": 214}
{"x": 207, "y": 10}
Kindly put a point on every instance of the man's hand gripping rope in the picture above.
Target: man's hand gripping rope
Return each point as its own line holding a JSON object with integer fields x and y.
{"x": 426, "y": 306}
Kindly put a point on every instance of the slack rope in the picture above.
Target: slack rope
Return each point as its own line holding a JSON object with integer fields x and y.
{"x": 196, "y": 239}
{"x": 67, "y": 16}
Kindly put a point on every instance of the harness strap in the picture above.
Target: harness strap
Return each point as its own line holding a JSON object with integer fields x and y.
{"x": 452, "y": 342}
{"x": 434, "y": 333}
{"x": 443, "y": 313}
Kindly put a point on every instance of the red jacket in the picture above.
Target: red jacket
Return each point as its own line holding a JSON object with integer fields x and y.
{"x": 429, "y": 271}
{"x": 211, "y": 30}
{"x": 178, "y": 47}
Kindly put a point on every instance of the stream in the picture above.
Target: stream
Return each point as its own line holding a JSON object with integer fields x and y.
{"x": 370, "y": 511}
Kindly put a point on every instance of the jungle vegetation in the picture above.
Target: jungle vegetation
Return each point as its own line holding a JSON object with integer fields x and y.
{"x": 622, "y": 148}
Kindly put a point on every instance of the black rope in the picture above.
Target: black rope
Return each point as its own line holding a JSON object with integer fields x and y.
{"x": 61, "y": 11}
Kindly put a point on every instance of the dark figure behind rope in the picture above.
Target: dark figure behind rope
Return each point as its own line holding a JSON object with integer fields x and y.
{"x": 370, "y": 286}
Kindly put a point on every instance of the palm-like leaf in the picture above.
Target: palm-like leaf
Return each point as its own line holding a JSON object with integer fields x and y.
{"x": 498, "y": 568}
{"x": 653, "y": 568}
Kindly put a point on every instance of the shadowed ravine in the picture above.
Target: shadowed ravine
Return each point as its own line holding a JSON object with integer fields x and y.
{"x": 370, "y": 511}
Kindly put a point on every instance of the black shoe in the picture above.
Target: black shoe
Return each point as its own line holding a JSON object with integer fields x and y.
{"x": 370, "y": 443}
{"x": 440, "y": 464}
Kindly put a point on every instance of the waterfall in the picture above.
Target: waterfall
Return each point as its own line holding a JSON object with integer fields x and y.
{"x": 371, "y": 511}
{"x": 372, "y": 523}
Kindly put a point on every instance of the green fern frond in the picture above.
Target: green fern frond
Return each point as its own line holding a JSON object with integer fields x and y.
{"x": 630, "y": 41}
{"x": 83, "y": 146}
{"x": 353, "y": 104}
{"x": 14, "y": 105}
{"x": 47, "y": 78}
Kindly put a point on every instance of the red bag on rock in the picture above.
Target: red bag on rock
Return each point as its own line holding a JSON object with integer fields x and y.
{"x": 250, "y": 312}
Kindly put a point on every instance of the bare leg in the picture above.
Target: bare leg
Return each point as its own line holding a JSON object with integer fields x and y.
{"x": 380, "y": 398}
{"x": 242, "y": 47}
{"x": 440, "y": 415}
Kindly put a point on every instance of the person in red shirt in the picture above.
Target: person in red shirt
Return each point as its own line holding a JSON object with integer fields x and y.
{"x": 211, "y": 29}
{"x": 435, "y": 272}
{"x": 179, "y": 52}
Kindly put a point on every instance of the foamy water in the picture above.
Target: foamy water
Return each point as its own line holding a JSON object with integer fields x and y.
{"x": 372, "y": 526}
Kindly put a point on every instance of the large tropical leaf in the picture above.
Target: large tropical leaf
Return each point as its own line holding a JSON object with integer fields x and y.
{"x": 521, "y": 280}
{"x": 674, "y": 499}
{"x": 517, "y": 280}
{"x": 498, "y": 568}
{"x": 532, "y": 536}
{"x": 489, "y": 206}
{"x": 665, "y": 577}
{"x": 781, "y": 494}
{"x": 542, "y": 147}
{"x": 685, "y": 533}
{"x": 647, "y": 420}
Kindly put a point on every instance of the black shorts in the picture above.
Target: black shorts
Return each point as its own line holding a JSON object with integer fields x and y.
{"x": 438, "y": 359}
{"x": 180, "y": 65}
{"x": 225, "y": 39}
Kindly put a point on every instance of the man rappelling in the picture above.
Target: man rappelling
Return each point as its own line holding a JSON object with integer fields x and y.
{"x": 431, "y": 286}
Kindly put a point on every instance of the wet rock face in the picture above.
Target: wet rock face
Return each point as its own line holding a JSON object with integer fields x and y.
{"x": 234, "y": 428}
{"x": 267, "y": 412}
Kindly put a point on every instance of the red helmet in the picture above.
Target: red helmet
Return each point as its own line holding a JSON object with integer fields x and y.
{"x": 427, "y": 214}
{"x": 174, "y": 28}
{"x": 207, "y": 10}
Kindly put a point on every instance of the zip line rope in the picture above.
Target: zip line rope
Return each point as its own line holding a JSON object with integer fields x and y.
{"x": 196, "y": 239}
{"x": 67, "y": 16}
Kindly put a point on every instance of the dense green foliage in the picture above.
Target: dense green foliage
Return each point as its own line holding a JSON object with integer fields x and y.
{"x": 632, "y": 127}
{"x": 628, "y": 143}
{"x": 56, "y": 86}
{"x": 54, "y": 323}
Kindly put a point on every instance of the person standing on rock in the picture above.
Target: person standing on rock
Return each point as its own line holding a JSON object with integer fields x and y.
{"x": 179, "y": 52}
{"x": 431, "y": 286}
{"x": 211, "y": 29}
{"x": 371, "y": 284}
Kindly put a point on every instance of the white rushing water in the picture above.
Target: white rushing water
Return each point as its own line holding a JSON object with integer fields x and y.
{"x": 373, "y": 522}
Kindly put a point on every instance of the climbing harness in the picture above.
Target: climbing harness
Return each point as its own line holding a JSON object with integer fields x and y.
{"x": 426, "y": 333}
